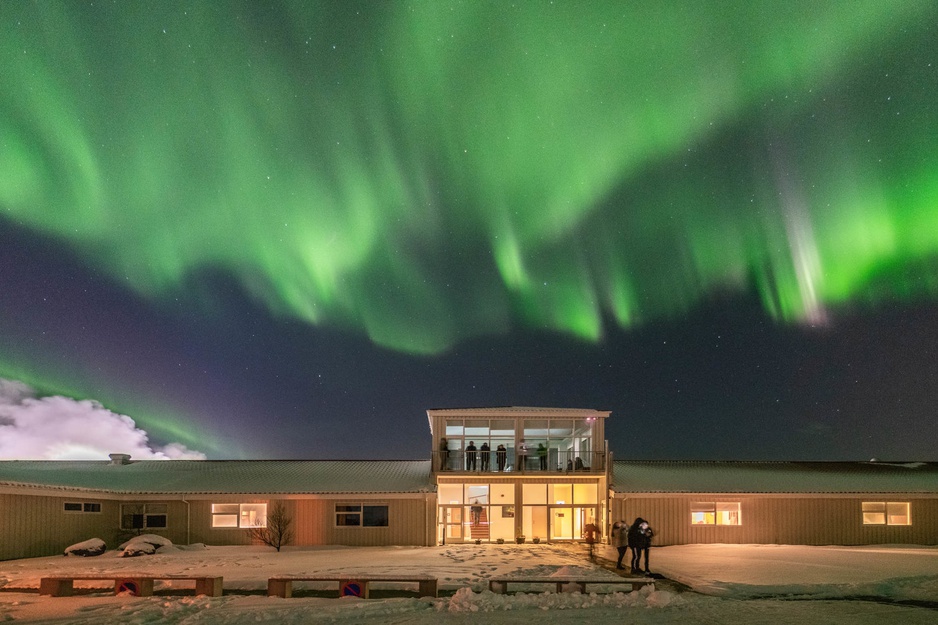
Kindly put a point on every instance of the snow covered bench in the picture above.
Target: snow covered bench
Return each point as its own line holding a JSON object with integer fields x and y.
{"x": 500, "y": 584}
{"x": 350, "y": 585}
{"x": 140, "y": 585}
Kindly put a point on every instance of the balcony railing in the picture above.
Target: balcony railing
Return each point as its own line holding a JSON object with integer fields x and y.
{"x": 555, "y": 461}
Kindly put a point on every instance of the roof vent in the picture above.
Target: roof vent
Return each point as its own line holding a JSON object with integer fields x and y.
{"x": 119, "y": 458}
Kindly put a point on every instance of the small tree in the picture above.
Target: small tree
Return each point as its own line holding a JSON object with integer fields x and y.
{"x": 279, "y": 530}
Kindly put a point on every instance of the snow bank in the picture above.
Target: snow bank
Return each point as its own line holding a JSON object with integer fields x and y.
{"x": 87, "y": 548}
{"x": 465, "y": 600}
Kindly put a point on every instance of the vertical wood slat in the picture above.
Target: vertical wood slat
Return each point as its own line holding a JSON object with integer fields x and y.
{"x": 781, "y": 520}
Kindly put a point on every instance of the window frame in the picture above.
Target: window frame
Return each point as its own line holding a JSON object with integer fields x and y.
{"x": 713, "y": 508}
{"x": 225, "y": 510}
{"x": 357, "y": 509}
{"x": 146, "y": 515}
{"x": 86, "y": 507}
{"x": 886, "y": 513}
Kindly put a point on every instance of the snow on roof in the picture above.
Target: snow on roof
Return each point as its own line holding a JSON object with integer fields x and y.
{"x": 774, "y": 477}
{"x": 222, "y": 476}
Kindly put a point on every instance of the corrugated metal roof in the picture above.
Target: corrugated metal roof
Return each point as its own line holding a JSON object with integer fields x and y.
{"x": 223, "y": 476}
{"x": 774, "y": 477}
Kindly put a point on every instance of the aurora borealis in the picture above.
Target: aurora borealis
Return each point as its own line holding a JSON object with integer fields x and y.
{"x": 216, "y": 212}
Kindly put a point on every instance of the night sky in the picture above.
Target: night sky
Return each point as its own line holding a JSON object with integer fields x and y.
{"x": 286, "y": 229}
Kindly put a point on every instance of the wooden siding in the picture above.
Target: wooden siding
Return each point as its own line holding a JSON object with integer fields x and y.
{"x": 32, "y": 526}
{"x": 410, "y": 522}
{"x": 799, "y": 520}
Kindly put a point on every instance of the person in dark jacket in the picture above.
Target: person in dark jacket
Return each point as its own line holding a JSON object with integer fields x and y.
{"x": 501, "y": 456}
{"x": 471, "y": 456}
{"x": 639, "y": 539}
{"x": 444, "y": 454}
{"x": 484, "y": 453}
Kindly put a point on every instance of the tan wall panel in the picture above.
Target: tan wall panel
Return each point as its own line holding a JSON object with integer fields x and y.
{"x": 781, "y": 520}
{"x": 314, "y": 523}
{"x": 39, "y": 526}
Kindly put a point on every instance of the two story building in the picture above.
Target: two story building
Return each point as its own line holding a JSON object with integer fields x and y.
{"x": 493, "y": 474}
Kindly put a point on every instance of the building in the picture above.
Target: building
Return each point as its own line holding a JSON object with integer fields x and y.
{"x": 802, "y": 503}
{"x": 493, "y": 474}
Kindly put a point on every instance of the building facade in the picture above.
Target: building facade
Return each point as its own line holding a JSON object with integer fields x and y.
{"x": 506, "y": 473}
{"x": 494, "y": 474}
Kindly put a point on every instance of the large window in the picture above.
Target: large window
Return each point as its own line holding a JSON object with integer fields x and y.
{"x": 243, "y": 515}
{"x": 361, "y": 515}
{"x": 715, "y": 513}
{"x": 555, "y": 445}
{"x": 886, "y": 513}
{"x": 141, "y": 516}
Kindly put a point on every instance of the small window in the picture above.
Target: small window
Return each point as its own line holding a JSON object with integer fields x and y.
{"x": 360, "y": 515}
{"x": 243, "y": 515}
{"x": 715, "y": 513}
{"x": 86, "y": 507}
{"x": 886, "y": 513}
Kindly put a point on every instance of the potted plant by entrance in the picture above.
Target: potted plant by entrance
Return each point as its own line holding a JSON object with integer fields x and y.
{"x": 536, "y": 540}
{"x": 500, "y": 541}
{"x": 478, "y": 541}
{"x": 520, "y": 539}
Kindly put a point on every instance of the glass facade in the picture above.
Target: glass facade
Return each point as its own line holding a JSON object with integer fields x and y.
{"x": 513, "y": 445}
{"x": 492, "y": 511}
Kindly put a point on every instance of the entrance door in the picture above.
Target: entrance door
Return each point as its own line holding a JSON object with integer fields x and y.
{"x": 451, "y": 521}
{"x": 561, "y": 523}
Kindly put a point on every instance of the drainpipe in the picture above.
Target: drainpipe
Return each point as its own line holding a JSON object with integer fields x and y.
{"x": 188, "y": 538}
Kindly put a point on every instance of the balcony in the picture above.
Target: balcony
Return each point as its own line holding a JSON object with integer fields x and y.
{"x": 555, "y": 462}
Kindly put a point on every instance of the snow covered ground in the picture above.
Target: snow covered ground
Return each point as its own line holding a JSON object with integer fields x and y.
{"x": 745, "y": 584}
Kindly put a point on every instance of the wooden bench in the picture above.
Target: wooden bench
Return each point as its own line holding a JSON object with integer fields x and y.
{"x": 500, "y": 585}
{"x": 283, "y": 586}
{"x": 139, "y": 585}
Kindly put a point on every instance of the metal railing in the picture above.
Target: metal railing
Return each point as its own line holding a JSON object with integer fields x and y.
{"x": 555, "y": 461}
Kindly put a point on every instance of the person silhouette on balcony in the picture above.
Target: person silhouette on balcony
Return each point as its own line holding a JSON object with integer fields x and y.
{"x": 444, "y": 454}
{"x": 501, "y": 456}
{"x": 485, "y": 456}
{"x": 542, "y": 456}
{"x": 471, "y": 456}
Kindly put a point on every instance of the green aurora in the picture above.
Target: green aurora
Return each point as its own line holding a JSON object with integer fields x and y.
{"x": 425, "y": 172}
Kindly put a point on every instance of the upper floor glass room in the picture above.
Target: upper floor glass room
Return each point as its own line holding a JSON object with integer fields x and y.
{"x": 518, "y": 440}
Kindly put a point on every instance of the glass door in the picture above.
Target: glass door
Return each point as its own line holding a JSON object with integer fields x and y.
{"x": 451, "y": 520}
{"x": 561, "y": 523}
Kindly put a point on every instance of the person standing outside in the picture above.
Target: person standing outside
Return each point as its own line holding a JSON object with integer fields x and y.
{"x": 542, "y": 456}
{"x": 646, "y": 533}
{"x": 471, "y": 456}
{"x": 501, "y": 456}
{"x": 522, "y": 455}
{"x": 485, "y": 454}
{"x": 639, "y": 540}
{"x": 620, "y": 540}
{"x": 444, "y": 454}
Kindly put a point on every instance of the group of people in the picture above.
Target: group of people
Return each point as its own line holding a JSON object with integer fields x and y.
{"x": 636, "y": 537}
{"x": 475, "y": 456}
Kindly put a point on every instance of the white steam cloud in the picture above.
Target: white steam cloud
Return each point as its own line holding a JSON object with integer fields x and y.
{"x": 60, "y": 428}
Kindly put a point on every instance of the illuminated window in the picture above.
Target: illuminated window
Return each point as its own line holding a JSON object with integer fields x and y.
{"x": 886, "y": 513}
{"x": 360, "y": 515}
{"x": 234, "y": 515}
{"x": 144, "y": 516}
{"x": 715, "y": 513}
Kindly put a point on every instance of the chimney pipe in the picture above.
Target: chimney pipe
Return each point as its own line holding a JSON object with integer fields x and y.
{"x": 117, "y": 459}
